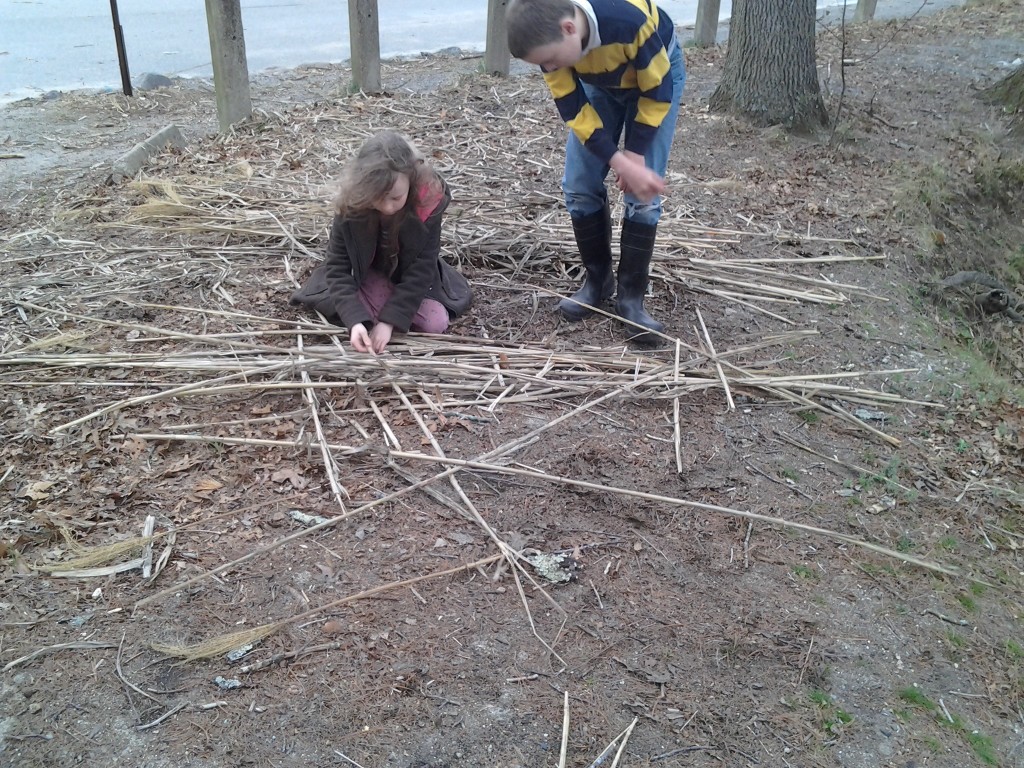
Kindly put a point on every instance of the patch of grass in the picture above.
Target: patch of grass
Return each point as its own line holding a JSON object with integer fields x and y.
{"x": 891, "y": 470}
{"x": 980, "y": 743}
{"x": 1014, "y": 650}
{"x": 867, "y": 482}
{"x": 839, "y": 718}
{"x": 904, "y": 544}
{"x": 886, "y": 478}
{"x": 809, "y": 416}
{"x": 915, "y": 697}
{"x": 977, "y": 588}
{"x": 956, "y": 640}
{"x": 967, "y": 602}
{"x": 832, "y": 717}
{"x": 872, "y": 569}
{"x": 789, "y": 473}
{"x": 820, "y": 698}
{"x": 948, "y": 543}
{"x": 980, "y": 378}
{"x": 982, "y": 746}
{"x": 930, "y": 194}
{"x": 805, "y": 572}
{"x": 1015, "y": 265}
{"x": 999, "y": 180}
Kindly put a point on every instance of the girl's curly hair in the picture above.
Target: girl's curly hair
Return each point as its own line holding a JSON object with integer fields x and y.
{"x": 372, "y": 173}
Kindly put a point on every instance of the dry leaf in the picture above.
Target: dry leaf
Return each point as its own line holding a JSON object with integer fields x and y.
{"x": 35, "y": 491}
{"x": 181, "y": 465}
{"x": 291, "y": 476}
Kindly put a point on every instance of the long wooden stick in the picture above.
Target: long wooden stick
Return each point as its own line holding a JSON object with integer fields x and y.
{"x": 669, "y": 500}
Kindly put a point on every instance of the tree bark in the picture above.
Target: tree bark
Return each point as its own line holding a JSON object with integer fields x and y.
{"x": 770, "y": 75}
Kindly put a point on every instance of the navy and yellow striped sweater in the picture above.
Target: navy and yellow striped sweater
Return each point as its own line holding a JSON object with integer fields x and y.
{"x": 631, "y": 54}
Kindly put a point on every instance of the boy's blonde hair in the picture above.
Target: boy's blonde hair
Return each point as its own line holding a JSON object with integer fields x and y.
{"x": 372, "y": 173}
{"x": 533, "y": 23}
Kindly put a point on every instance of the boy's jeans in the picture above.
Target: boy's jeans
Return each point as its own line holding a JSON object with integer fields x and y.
{"x": 583, "y": 182}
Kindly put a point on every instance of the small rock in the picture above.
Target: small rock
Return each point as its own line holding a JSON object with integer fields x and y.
{"x": 238, "y": 653}
{"x": 150, "y": 81}
{"x": 866, "y": 415}
{"x": 333, "y": 627}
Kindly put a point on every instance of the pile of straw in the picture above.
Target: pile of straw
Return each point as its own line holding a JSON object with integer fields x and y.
{"x": 175, "y": 287}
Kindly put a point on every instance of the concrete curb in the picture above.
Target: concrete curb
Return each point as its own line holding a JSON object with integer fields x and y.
{"x": 130, "y": 163}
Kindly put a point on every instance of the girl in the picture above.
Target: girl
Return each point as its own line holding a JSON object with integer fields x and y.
{"x": 384, "y": 272}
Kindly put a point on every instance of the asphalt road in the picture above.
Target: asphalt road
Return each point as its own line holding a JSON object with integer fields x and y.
{"x": 61, "y": 45}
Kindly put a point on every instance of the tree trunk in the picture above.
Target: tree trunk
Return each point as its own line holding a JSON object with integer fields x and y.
{"x": 770, "y": 75}
{"x": 1009, "y": 92}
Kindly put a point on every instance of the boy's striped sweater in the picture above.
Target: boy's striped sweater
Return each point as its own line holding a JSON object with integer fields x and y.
{"x": 627, "y": 51}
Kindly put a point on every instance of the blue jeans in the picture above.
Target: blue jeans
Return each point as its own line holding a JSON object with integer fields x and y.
{"x": 583, "y": 181}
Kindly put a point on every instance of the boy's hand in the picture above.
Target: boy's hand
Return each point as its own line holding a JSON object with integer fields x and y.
{"x": 635, "y": 177}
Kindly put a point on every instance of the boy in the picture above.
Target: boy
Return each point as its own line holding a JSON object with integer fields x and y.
{"x": 612, "y": 66}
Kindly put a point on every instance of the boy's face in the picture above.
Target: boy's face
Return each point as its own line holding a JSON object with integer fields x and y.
{"x": 561, "y": 53}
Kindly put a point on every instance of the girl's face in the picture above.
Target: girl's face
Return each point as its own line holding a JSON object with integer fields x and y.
{"x": 394, "y": 200}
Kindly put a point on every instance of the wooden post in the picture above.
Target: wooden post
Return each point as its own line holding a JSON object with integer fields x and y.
{"x": 122, "y": 56}
{"x": 865, "y": 11}
{"x": 705, "y": 31}
{"x": 230, "y": 70}
{"x": 496, "y": 54}
{"x": 364, "y": 38}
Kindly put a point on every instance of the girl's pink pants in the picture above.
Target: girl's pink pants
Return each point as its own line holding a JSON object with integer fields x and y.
{"x": 431, "y": 317}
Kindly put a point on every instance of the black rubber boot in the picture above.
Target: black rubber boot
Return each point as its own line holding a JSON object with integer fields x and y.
{"x": 594, "y": 241}
{"x": 636, "y": 249}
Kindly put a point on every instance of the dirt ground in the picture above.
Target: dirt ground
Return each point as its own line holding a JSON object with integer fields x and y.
{"x": 793, "y": 539}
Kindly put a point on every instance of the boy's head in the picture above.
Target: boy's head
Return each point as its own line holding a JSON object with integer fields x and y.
{"x": 548, "y": 33}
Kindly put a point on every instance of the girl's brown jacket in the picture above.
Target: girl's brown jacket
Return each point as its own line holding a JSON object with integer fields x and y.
{"x": 333, "y": 288}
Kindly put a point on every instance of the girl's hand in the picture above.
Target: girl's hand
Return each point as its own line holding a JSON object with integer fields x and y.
{"x": 380, "y": 336}
{"x": 360, "y": 338}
